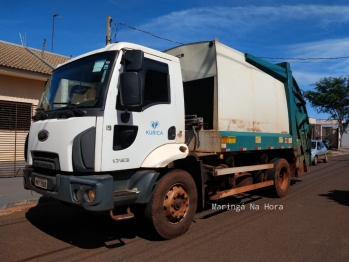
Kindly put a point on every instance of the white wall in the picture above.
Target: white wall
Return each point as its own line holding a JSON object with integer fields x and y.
{"x": 345, "y": 140}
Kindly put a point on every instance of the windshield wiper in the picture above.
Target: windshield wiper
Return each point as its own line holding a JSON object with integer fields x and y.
{"x": 40, "y": 115}
{"x": 73, "y": 111}
{"x": 77, "y": 111}
{"x": 63, "y": 112}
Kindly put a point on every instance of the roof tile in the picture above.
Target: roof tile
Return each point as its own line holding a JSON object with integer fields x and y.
{"x": 21, "y": 57}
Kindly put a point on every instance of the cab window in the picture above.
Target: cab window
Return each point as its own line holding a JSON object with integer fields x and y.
{"x": 155, "y": 85}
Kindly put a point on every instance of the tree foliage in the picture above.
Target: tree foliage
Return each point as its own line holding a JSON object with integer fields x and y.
{"x": 332, "y": 97}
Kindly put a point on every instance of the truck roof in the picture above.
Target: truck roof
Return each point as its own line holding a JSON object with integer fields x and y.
{"x": 125, "y": 45}
{"x": 192, "y": 43}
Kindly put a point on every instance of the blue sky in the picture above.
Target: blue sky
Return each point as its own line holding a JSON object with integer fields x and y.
{"x": 269, "y": 28}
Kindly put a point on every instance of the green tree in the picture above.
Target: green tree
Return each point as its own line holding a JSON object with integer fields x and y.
{"x": 332, "y": 97}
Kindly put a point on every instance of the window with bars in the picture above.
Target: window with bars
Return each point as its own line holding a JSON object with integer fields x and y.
{"x": 15, "y": 115}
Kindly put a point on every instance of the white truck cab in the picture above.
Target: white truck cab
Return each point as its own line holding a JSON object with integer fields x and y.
{"x": 87, "y": 124}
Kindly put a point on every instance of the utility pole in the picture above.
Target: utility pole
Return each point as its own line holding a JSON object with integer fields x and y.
{"x": 108, "y": 38}
{"x": 53, "y": 28}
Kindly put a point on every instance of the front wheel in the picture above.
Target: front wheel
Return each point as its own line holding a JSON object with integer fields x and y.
{"x": 315, "y": 161}
{"x": 281, "y": 175}
{"x": 172, "y": 204}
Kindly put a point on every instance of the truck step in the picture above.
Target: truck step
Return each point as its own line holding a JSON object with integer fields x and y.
{"x": 125, "y": 193}
{"x": 121, "y": 217}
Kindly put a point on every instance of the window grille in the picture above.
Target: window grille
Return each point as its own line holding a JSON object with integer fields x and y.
{"x": 15, "y": 120}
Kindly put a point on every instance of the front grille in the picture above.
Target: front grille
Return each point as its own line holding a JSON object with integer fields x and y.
{"x": 45, "y": 160}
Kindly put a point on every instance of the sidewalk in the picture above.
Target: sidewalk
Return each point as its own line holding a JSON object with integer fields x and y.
{"x": 342, "y": 151}
{"x": 13, "y": 194}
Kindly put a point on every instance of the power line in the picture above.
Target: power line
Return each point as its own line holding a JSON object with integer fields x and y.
{"x": 122, "y": 24}
{"x": 264, "y": 57}
{"x": 117, "y": 29}
{"x": 309, "y": 58}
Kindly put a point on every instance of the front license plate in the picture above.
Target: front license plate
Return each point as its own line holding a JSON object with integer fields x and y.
{"x": 40, "y": 182}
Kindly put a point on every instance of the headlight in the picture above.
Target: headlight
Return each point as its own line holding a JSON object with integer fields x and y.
{"x": 90, "y": 195}
{"x": 77, "y": 195}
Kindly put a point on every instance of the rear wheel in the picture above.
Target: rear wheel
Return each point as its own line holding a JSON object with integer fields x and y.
{"x": 281, "y": 175}
{"x": 172, "y": 204}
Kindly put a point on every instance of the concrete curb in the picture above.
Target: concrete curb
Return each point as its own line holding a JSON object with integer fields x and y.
{"x": 23, "y": 203}
{"x": 20, "y": 203}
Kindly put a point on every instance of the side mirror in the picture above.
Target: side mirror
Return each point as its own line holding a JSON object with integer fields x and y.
{"x": 133, "y": 60}
{"x": 131, "y": 89}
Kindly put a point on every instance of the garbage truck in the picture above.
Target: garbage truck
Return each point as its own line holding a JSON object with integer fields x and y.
{"x": 126, "y": 128}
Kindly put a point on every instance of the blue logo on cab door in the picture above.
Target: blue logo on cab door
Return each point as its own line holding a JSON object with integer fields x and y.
{"x": 154, "y": 125}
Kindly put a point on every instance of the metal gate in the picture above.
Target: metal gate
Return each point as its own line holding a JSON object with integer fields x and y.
{"x": 15, "y": 120}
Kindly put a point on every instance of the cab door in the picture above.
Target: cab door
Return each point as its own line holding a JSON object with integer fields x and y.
{"x": 127, "y": 142}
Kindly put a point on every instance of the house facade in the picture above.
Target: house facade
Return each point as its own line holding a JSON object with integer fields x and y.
{"x": 328, "y": 129}
{"x": 23, "y": 74}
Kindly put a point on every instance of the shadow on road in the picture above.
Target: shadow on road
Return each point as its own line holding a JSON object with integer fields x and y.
{"x": 339, "y": 196}
{"x": 241, "y": 199}
{"x": 229, "y": 201}
{"x": 83, "y": 229}
{"x": 90, "y": 230}
{"x": 295, "y": 181}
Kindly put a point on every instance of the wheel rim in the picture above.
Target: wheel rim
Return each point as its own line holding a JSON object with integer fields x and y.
{"x": 282, "y": 180}
{"x": 176, "y": 204}
{"x": 315, "y": 160}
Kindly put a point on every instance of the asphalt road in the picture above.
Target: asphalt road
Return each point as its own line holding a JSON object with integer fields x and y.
{"x": 311, "y": 226}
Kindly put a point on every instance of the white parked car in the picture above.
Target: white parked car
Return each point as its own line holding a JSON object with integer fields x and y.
{"x": 318, "y": 151}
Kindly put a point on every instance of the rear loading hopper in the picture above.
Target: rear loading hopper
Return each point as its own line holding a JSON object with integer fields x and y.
{"x": 238, "y": 102}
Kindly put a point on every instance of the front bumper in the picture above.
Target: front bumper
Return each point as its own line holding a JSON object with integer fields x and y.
{"x": 110, "y": 190}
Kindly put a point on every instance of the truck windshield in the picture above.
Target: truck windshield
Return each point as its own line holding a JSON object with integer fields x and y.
{"x": 313, "y": 145}
{"x": 80, "y": 83}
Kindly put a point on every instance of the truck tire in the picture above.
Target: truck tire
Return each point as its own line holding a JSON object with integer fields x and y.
{"x": 244, "y": 180}
{"x": 281, "y": 175}
{"x": 172, "y": 204}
